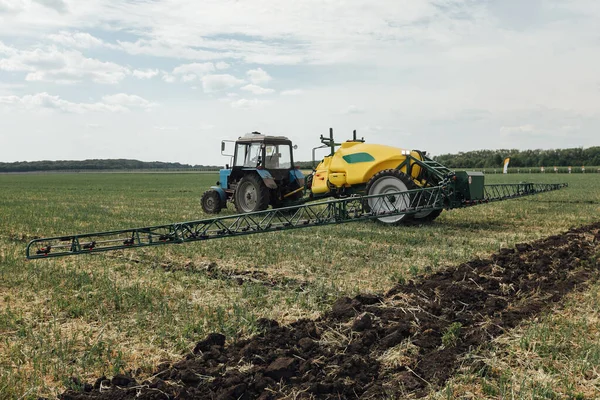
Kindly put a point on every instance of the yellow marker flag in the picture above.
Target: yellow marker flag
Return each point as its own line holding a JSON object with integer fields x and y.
{"x": 506, "y": 161}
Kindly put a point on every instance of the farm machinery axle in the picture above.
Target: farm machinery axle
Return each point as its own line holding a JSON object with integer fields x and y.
{"x": 391, "y": 204}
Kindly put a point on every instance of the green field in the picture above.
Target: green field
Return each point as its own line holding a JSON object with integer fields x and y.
{"x": 88, "y": 316}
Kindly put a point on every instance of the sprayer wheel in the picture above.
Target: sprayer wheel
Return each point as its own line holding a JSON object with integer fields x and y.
{"x": 390, "y": 181}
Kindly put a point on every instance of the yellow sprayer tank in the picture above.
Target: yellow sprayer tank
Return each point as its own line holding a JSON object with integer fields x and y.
{"x": 355, "y": 162}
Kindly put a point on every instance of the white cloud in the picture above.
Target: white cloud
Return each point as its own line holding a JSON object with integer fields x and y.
{"x": 82, "y": 40}
{"x": 9, "y": 88}
{"x": 168, "y": 77}
{"x": 257, "y": 89}
{"x": 57, "y": 5}
{"x": 53, "y": 65}
{"x": 292, "y": 92}
{"x": 145, "y": 73}
{"x": 222, "y": 65}
{"x": 43, "y": 101}
{"x": 189, "y": 78}
{"x": 129, "y": 100}
{"x": 258, "y": 76}
{"x": 519, "y": 129}
{"x": 11, "y": 6}
{"x": 215, "y": 83}
{"x": 249, "y": 104}
{"x": 193, "y": 71}
{"x": 194, "y": 68}
{"x": 352, "y": 109}
{"x": 170, "y": 49}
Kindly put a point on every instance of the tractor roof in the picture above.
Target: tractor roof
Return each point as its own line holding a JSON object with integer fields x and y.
{"x": 259, "y": 137}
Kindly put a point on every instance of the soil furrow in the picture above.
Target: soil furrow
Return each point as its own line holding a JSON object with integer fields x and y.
{"x": 404, "y": 343}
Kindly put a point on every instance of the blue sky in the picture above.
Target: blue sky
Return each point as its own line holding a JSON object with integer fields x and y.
{"x": 168, "y": 79}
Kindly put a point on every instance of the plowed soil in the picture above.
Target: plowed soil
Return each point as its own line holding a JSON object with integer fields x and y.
{"x": 405, "y": 342}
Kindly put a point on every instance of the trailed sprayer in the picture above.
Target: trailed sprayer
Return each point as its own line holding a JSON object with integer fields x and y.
{"x": 357, "y": 181}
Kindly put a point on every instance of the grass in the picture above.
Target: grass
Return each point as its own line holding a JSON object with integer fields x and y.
{"x": 555, "y": 356}
{"x": 127, "y": 311}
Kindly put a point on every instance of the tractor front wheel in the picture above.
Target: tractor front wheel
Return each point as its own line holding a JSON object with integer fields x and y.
{"x": 211, "y": 202}
{"x": 251, "y": 194}
{"x": 390, "y": 181}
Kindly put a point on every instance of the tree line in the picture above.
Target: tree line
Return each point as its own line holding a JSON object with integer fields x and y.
{"x": 92, "y": 165}
{"x": 575, "y": 157}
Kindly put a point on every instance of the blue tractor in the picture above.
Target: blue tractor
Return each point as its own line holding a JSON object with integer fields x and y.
{"x": 262, "y": 174}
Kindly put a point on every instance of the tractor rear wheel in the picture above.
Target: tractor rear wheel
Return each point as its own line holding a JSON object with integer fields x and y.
{"x": 390, "y": 181}
{"x": 211, "y": 202}
{"x": 251, "y": 194}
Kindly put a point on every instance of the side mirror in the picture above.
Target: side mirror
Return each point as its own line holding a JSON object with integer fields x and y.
{"x": 295, "y": 147}
{"x": 222, "y": 146}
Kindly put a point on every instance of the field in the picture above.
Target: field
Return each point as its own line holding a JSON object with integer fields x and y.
{"x": 473, "y": 334}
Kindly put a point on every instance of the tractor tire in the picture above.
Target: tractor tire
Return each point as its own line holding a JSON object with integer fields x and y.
{"x": 211, "y": 202}
{"x": 251, "y": 194}
{"x": 390, "y": 181}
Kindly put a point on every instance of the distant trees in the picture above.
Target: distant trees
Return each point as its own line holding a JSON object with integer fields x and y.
{"x": 574, "y": 157}
{"x": 91, "y": 165}
{"x": 522, "y": 158}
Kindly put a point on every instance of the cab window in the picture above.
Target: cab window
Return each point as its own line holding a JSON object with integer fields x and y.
{"x": 278, "y": 156}
{"x": 248, "y": 155}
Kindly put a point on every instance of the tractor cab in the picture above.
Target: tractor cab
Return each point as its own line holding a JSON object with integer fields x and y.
{"x": 262, "y": 173}
{"x": 271, "y": 153}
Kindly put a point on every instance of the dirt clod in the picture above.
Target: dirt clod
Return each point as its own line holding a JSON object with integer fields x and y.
{"x": 362, "y": 322}
{"x": 213, "y": 339}
{"x": 282, "y": 368}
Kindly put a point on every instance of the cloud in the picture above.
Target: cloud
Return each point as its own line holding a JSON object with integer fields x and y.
{"x": 170, "y": 49}
{"x": 43, "y": 101}
{"x": 168, "y": 77}
{"x": 129, "y": 100}
{"x": 57, "y": 5}
{"x": 145, "y": 73}
{"x": 258, "y": 76}
{"x": 11, "y": 6}
{"x": 194, "y": 68}
{"x": 257, "y": 89}
{"x": 352, "y": 109}
{"x": 248, "y": 104}
{"x": 53, "y": 65}
{"x": 519, "y": 129}
{"x": 193, "y": 71}
{"x": 215, "y": 83}
{"x": 292, "y": 92}
{"x": 82, "y": 40}
{"x": 222, "y": 65}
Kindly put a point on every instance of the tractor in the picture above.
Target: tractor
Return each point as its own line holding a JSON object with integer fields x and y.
{"x": 262, "y": 173}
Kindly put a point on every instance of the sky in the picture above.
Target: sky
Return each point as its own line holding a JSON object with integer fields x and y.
{"x": 167, "y": 80}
